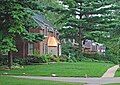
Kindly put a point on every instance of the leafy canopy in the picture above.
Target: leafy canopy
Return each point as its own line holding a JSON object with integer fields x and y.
{"x": 15, "y": 21}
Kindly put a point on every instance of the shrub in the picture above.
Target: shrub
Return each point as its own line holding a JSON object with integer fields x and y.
{"x": 28, "y": 60}
{"x": 16, "y": 65}
{"x": 3, "y": 60}
{"x": 96, "y": 56}
{"x": 113, "y": 57}
{"x": 63, "y": 58}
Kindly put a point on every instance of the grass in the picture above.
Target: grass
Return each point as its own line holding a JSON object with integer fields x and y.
{"x": 117, "y": 74}
{"x": 80, "y": 69}
{"x": 4, "y": 80}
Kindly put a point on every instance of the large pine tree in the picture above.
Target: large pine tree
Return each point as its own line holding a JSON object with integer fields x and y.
{"x": 85, "y": 17}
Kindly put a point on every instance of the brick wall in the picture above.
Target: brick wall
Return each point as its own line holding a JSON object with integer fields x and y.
{"x": 39, "y": 46}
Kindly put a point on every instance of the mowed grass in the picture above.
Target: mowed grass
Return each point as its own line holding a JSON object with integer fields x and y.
{"x": 79, "y": 69}
{"x": 4, "y": 80}
{"x": 117, "y": 74}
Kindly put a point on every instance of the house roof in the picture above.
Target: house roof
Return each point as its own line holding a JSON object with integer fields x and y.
{"x": 52, "y": 41}
{"x": 42, "y": 21}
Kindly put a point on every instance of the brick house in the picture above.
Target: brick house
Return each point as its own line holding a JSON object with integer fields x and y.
{"x": 50, "y": 45}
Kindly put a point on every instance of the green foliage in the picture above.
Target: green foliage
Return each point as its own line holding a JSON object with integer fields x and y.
{"x": 50, "y": 58}
{"x": 64, "y": 58}
{"x": 29, "y": 60}
{"x": 3, "y": 60}
{"x": 96, "y": 20}
{"x": 67, "y": 48}
{"x": 87, "y": 19}
{"x": 85, "y": 8}
{"x": 112, "y": 57}
{"x": 113, "y": 49}
{"x": 36, "y": 58}
{"x": 7, "y": 44}
{"x": 69, "y": 51}
{"x": 117, "y": 74}
{"x": 15, "y": 20}
{"x": 46, "y": 58}
{"x": 96, "y": 56}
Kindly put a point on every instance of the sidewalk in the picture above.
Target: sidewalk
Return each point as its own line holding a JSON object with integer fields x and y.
{"x": 111, "y": 71}
{"x": 107, "y": 78}
{"x": 86, "y": 81}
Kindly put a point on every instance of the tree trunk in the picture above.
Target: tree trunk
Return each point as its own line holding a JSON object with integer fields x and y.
{"x": 80, "y": 35}
{"x": 1, "y": 56}
{"x": 80, "y": 40}
{"x": 10, "y": 59}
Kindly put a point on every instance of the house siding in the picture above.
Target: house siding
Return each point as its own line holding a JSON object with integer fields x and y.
{"x": 40, "y": 46}
{"x": 44, "y": 28}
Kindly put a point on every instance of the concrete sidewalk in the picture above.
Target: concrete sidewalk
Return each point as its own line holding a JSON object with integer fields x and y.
{"x": 107, "y": 78}
{"x": 111, "y": 71}
{"x": 87, "y": 81}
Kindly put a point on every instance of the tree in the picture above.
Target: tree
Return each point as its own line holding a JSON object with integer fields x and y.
{"x": 15, "y": 20}
{"x": 84, "y": 16}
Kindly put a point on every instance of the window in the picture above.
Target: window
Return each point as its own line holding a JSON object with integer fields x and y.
{"x": 45, "y": 48}
{"x": 30, "y": 48}
{"x": 45, "y": 31}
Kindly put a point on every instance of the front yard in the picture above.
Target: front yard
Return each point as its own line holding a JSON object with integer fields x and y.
{"x": 117, "y": 74}
{"x": 79, "y": 69}
{"x": 4, "y": 80}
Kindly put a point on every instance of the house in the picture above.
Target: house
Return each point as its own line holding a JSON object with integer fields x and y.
{"x": 50, "y": 45}
{"x": 89, "y": 46}
{"x": 101, "y": 48}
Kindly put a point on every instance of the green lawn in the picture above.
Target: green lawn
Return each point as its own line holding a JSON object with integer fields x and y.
{"x": 92, "y": 69}
{"x": 16, "y": 81}
{"x": 117, "y": 74}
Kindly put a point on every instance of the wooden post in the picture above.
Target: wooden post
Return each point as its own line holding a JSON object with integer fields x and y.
{"x": 10, "y": 59}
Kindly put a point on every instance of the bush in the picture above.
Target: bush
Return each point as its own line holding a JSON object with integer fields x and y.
{"x": 16, "y": 65}
{"x": 46, "y": 57}
{"x": 63, "y": 58}
{"x": 36, "y": 59}
{"x": 3, "y": 60}
{"x": 50, "y": 58}
{"x": 96, "y": 56}
{"x": 28, "y": 60}
{"x": 113, "y": 57}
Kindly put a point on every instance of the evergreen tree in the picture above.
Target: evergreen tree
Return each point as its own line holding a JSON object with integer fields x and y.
{"x": 85, "y": 17}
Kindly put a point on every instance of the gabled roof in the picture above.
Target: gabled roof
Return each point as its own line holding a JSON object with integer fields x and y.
{"x": 42, "y": 21}
{"x": 52, "y": 42}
